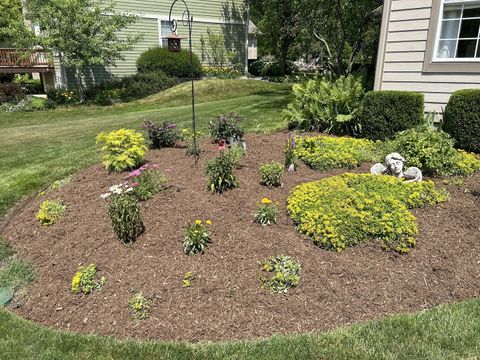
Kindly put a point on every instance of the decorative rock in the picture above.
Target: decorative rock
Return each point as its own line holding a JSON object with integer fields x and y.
{"x": 394, "y": 167}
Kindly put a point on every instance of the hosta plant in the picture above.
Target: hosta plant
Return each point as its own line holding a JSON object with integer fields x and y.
{"x": 197, "y": 236}
{"x": 123, "y": 149}
{"x": 271, "y": 174}
{"x": 84, "y": 280}
{"x": 266, "y": 213}
{"x": 124, "y": 211}
{"x": 50, "y": 211}
{"x": 286, "y": 273}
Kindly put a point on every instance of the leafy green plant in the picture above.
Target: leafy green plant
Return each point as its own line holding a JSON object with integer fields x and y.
{"x": 462, "y": 119}
{"x": 171, "y": 63}
{"x": 327, "y": 106}
{"x": 384, "y": 113}
{"x": 123, "y": 149}
{"x": 290, "y": 157}
{"x": 146, "y": 181}
{"x": 220, "y": 173}
{"x": 324, "y": 152}
{"x": 187, "y": 279}
{"x": 236, "y": 152}
{"x": 197, "y": 236}
{"x": 163, "y": 136}
{"x": 11, "y": 93}
{"x": 84, "y": 280}
{"x": 271, "y": 174}
{"x": 140, "y": 306}
{"x": 266, "y": 212}
{"x": 349, "y": 209}
{"x": 226, "y": 127}
{"x": 219, "y": 72}
{"x": 124, "y": 211}
{"x": 286, "y": 270}
{"x": 50, "y": 211}
{"x": 432, "y": 151}
{"x": 214, "y": 50}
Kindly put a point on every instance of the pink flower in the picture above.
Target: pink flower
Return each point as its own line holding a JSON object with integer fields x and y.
{"x": 135, "y": 184}
{"x": 221, "y": 145}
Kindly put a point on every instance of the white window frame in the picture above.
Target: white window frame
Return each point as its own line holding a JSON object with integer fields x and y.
{"x": 439, "y": 30}
{"x": 160, "y": 36}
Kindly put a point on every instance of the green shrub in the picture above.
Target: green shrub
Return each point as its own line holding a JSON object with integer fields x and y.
{"x": 324, "y": 152}
{"x": 84, "y": 280}
{"x": 462, "y": 119}
{"x": 197, "y": 236}
{"x": 11, "y": 93}
{"x": 30, "y": 85}
{"x": 50, "y": 211}
{"x": 27, "y": 104}
{"x": 163, "y": 136}
{"x": 349, "y": 209}
{"x": 384, "y": 113}
{"x": 266, "y": 213}
{"x": 124, "y": 211}
{"x": 63, "y": 96}
{"x": 432, "y": 151}
{"x": 271, "y": 174}
{"x": 146, "y": 181}
{"x": 327, "y": 106}
{"x": 123, "y": 149}
{"x": 272, "y": 68}
{"x": 171, "y": 63}
{"x": 144, "y": 84}
{"x": 256, "y": 67}
{"x": 226, "y": 127}
{"x": 220, "y": 173}
{"x": 219, "y": 72}
{"x": 286, "y": 273}
{"x": 236, "y": 153}
{"x": 140, "y": 306}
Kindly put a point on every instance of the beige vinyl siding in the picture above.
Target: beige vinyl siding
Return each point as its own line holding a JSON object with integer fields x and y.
{"x": 403, "y": 55}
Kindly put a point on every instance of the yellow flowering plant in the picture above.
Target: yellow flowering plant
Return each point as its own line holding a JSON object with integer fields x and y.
{"x": 197, "y": 236}
{"x": 50, "y": 211}
{"x": 84, "y": 280}
{"x": 140, "y": 306}
{"x": 349, "y": 209}
{"x": 266, "y": 212}
{"x": 286, "y": 273}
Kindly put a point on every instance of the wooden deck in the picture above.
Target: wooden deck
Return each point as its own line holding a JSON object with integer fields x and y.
{"x": 24, "y": 61}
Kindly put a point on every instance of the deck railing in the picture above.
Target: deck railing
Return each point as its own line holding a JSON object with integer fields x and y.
{"x": 17, "y": 59}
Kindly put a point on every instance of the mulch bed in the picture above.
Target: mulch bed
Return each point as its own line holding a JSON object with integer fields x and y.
{"x": 225, "y": 300}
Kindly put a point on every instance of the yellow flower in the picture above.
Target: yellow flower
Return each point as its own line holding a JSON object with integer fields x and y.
{"x": 208, "y": 222}
{"x": 198, "y": 222}
{"x": 266, "y": 201}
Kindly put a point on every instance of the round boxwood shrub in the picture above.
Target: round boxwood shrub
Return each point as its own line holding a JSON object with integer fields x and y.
{"x": 385, "y": 113}
{"x": 171, "y": 63}
{"x": 462, "y": 119}
{"x": 349, "y": 209}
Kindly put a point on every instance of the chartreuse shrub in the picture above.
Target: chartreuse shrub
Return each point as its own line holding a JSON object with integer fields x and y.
{"x": 385, "y": 113}
{"x": 324, "y": 152}
{"x": 286, "y": 273}
{"x": 50, "y": 211}
{"x": 327, "y": 106}
{"x": 123, "y": 149}
{"x": 271, "y": 174}
{"x": 197, "y": 236}
{"x": 349, "y": 209}
{"x": 140, "y": 306}
{"x": 266, "y": 212}
{"x": 462, "y": 119}
{"x": 84, "y": 280}
{"x": 432, "y": 151}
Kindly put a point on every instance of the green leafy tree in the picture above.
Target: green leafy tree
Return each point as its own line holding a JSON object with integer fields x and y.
{"x": 280, "y": 22}
{"x": 11, "y": 11}
{"x": 347, "y": 32}
{"x": 84, "y": 33}
{"x": 214, "y": 50}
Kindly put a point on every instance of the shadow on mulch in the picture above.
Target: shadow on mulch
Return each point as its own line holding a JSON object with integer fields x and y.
{"x": 225, "y": 300}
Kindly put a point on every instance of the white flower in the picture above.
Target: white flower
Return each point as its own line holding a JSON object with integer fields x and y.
{"x": 106, "y": 195}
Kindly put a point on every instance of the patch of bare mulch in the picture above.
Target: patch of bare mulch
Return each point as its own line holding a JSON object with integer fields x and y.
{"x": 225, "y": 301}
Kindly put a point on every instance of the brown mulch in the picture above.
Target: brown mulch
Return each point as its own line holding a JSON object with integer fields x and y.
{"x": 225, "y": 300}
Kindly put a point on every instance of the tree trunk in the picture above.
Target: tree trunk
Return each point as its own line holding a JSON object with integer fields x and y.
{"x": 81, "y": 93}
{"x": 283, "y": 60}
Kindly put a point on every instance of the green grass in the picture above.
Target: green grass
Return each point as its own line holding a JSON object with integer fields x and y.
{"x": 447, "y": 332}
{"x": 39, "y": 148}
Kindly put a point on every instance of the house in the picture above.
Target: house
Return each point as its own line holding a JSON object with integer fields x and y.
{"x": 431, "y": 47}
{"x": 227, "y": 16}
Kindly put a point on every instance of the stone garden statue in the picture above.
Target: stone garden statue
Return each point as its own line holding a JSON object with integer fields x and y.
{"x": 394, "y": 166}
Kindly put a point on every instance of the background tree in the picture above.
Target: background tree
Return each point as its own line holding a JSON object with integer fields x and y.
{"x": 280, "y": 23}
{"x": 11, "y": 13}
{"x": 83, "y": 33}
{"x": 347, "y": 32}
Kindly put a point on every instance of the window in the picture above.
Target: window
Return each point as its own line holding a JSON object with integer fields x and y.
{"x": 458, "y": 31}
{"x": 165, "y": 29}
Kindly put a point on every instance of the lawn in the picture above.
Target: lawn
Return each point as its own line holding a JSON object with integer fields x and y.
{"x": 38, "y": 148}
